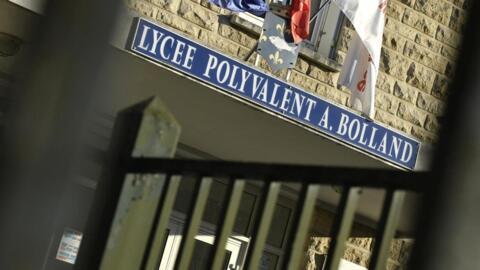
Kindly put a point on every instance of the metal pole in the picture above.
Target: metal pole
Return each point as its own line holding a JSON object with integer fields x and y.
{"x": 319, "y": 10}
{"x": 259, "y": 236}
{"x": 389, "y": 219}
{"x": 193, "y": 224}
{"x": 342, "y": 226}
{"x": 304, "y": 215}
{"x": 289, "y": 73}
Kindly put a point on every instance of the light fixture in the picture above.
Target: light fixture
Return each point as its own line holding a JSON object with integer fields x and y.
{"x": 9, "y": 44}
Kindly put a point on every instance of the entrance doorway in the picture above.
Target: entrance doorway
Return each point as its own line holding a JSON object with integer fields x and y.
{"x": 235, "y": 248}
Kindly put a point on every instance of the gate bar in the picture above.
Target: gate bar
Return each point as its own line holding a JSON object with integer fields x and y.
{"x": 306, "y": 206}
{"x": 260, "y": 234}
{"x": 380, "y": 178}
{"x": 157, "y": 237}
{"x": 227, "y": 223}
{"x": 192, "y": 225}
{"x": 390, "y": 216}
{"x": 342, "y": 226}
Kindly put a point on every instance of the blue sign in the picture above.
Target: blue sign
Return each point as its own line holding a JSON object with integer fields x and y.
{"x": 163, "y": 46}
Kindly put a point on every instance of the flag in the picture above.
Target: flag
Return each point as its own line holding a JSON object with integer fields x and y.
{"x": 359, "y": 75}
{"x": 360, "y": 69}
{"x": 257, "y": 7}
{"x": 300, "y": 20}
{"x": 275, "y": 44}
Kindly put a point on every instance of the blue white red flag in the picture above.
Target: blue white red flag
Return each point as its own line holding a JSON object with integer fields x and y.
{"x": 257, "y": 7}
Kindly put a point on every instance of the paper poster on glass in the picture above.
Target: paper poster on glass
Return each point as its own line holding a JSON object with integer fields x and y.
{"x": 69, "y": 245}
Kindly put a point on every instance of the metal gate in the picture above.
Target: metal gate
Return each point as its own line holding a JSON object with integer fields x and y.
{"x": 273, "y": 176}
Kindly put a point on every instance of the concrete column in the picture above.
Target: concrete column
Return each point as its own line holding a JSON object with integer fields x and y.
{"x": 125, "y": 204}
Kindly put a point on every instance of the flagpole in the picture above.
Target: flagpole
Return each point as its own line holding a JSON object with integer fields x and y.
{"x": 289, "y": 73}
{"x": 320, "y": 10}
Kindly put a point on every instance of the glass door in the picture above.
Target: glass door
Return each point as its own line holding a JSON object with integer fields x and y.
{"x": 203, "y": 247}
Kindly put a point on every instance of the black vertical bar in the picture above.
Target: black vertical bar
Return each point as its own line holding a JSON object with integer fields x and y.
{"x": 194, "y": 219}
{"x": 296, "y": 254}
{"x": 295, "y": 223}
{"x": 257, "y": 218}
{"x": 336, "y": 224}
{"x": 342, "y": 225}
{"x": 191, "y": 207}
{"x": 381, "y": 228}
{"x": 389, "y": 218}
{"x": 228, "y": 223}
{"x": 263, "y": 223}
{"x": 223, "y": 212}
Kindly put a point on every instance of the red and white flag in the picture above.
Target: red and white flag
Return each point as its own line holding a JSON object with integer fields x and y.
{"x": 360, "y": 69}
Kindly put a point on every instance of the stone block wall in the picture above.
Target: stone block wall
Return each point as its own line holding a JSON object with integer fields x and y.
{"x": 359, "y": 245}
{"x": 421, "y": 41}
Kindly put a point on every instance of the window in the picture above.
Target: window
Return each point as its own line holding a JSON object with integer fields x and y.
{"x": 324, "y": 28}
{"x": 237, "y": 245}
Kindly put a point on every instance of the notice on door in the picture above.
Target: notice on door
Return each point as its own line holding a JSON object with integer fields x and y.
{"x": 69, "y": 245}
